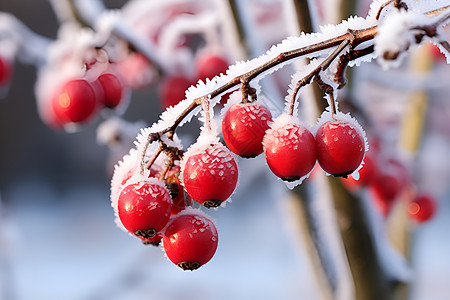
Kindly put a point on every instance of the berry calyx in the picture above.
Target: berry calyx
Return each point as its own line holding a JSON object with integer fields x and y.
{"x": 172, "y": 90}
{"x": 74, "y": 102}
{"x": 144, "y": 208}
{"x": 210, "y": 176}
{"x": 340, "y": 147}
{"x": 209, "y": 66}
{"x": 244, "y": 127}
{"x": 290, "y": 151}
{"x": 154, "y": 241}
{"x": 190, "y": 240}
{"x": 112, "y": 89}
{"x": 422, "y": 208}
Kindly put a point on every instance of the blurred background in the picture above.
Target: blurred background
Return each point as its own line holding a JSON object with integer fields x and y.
{"x": 58, "y": 239}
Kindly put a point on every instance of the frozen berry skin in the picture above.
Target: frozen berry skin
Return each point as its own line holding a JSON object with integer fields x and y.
{"x": 290, "y": 151}
{"x": 144, "y": 208}
{"x": 210, "y": 177}
{"x": 340, "y": 148}
{"x": 190, "y": 241}
{"x": 209, "y": 66}
{"x": 112, "y": 89}
{"x": 422, "y": 208}
{"x": 244, "y": 127}
{"x": 172, "y": 90}
{"x": 75, "y": 101}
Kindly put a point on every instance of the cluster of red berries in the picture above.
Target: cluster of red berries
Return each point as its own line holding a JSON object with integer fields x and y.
{"x": 291, "y": 149}
{"x": 78, "y": 100}
{"x": 157, "y": 208}
{"x": 172, "y": 89}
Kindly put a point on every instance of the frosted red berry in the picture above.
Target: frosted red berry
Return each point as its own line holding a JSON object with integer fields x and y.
{"x": 144, "y": 208}
{"x": 172, "y": 90}
{"x": 210, "y": 177}
{"x": 112, "y": 89}
{"x": 340, "y": 147}
{"x": 244, "y": 127}
{"x": 290, "y": 151}
{"x": 422, "y": 208}
{"x": 190, "y": 241}
{"x": 209, "y": 66}
{"x": 176, "y": 191}
{"x": 75, "y": 101}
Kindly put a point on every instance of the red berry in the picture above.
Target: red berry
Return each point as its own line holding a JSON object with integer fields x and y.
{"x": 136, "y": 71}
{"x": 190, "y": 241}
{"x": 209, "y": 66}
{"x": 385, "y": 188}
{"x": 290, "y": 151}
{"x": 144, "y": 208}
{"x": 340, "y": 147}
{"x": 172, "y": 90}
{"x": 75, "y": 101}
{"x": 112, "y": 89}
{"x": 5, "y": 71}
{"x": 176, "y": 191}
{"x": 243, "y": 128}
{"x": 210, "y": 177}
{"x": 366, "y": 175}
{"x": 422, "y": 208}
{"x": 154, "y": 241}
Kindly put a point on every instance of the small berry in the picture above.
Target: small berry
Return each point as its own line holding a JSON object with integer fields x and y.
{"x": 290, "y": 151}
{"x": 75, "y": 101}
{"x": 172, "y": 90}
{"x": 367, "y": 174}
{"x": 422, "y": 208}
{"x": 176, "y": 191}
{"x": 112, "y": 89}
{"x": 210, "y": 177}
{"x": 385, "y": 188}
{"x": 243, "y": 128}
{"x": 190, "y": 241}
{"x": 209, "y": 66}
{"x": 154, "y": 241}
{"x": 5, "y": 71}
{"x": 340, "y": 147}
{"x": 144, "y": 208}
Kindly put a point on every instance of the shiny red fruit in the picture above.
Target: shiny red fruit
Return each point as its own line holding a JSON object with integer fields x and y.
{"x": 190, "y": 241}
{"x": 144, "y": 208}
{"x": 366, "y": 175}
{"x": 176, "y": 191}
{"x": 112, "y": 89}
{"x": 172, "y": 90}
{"x": 244, "y": 127}
{"x": 290, "y": 151}
{"x": 385, "y": 189}
{"x": 75, "y": 101}
{"x": 5, "y": 71}
{"x": 340, "y": 147}
{"x": 210, "y": 177}
{"x": 209, "y": 66}
{"x": 422, "y": 208}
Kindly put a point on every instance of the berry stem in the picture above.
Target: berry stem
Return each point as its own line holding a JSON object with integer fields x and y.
{"x": 205, "y": 106}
